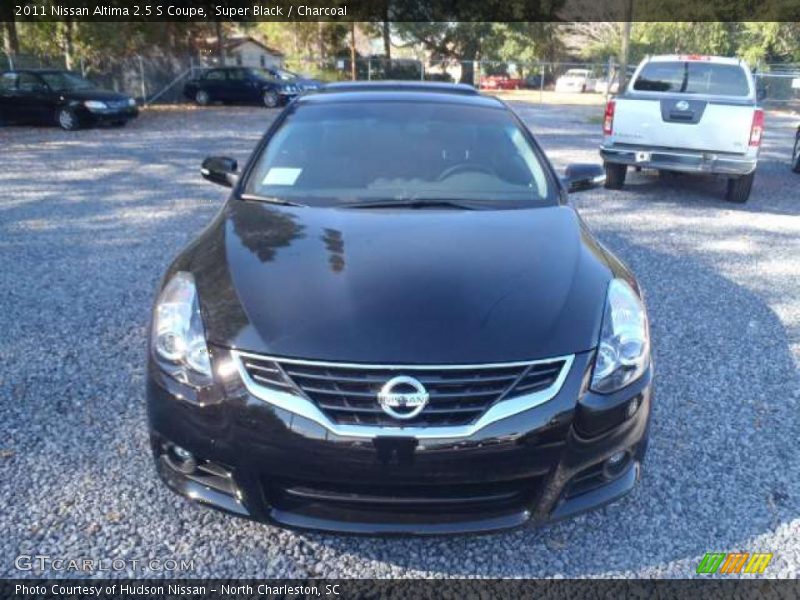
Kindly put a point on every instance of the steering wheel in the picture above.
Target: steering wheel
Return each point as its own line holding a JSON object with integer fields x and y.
{"x": 465, "y": 167}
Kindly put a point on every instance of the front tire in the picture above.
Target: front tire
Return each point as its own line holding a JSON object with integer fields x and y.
{"x": 202, "y": 98}
{"x": 615, "y": 175}
{"x": 271, "y": 99}
{"x": 739, "y": 188}
{"x": 67, "y": 119}
{"x": 796, "y": 154}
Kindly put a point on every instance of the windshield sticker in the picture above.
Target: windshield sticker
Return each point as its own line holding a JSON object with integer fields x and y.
{"x": 281, "y": 176}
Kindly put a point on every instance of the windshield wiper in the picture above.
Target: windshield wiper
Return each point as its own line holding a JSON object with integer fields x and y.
{"x": 415, "y": 203}
{"x": 270, "y": 200}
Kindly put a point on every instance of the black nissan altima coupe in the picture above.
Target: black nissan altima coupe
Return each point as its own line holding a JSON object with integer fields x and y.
{"x": 398, "y": 324}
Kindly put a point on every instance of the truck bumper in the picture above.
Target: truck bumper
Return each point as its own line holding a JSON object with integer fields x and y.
{"x": 687, "y": 161}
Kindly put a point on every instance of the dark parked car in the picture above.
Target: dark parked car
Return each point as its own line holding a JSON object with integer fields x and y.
{"x": 397, "y": 323}
{"x": 64, "y": 98}
{"x": 796, "y": 152}
{"x": 239, "y": 84}
{"x": 304, "y": 84}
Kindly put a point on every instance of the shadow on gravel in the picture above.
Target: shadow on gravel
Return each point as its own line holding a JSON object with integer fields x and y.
{"x": 721, "y": 448}
{"x": 773, "y": 183}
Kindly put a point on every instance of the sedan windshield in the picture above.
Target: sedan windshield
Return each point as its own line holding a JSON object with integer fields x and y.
{"x": 67, "y": 81}
{"x": 351, "y": 153}
{"x": 285, "y": 75}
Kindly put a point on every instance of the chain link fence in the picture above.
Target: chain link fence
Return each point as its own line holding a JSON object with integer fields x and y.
{"x": 160, "y": 78}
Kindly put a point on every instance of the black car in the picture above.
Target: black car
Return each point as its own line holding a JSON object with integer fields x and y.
{"x": 64, "y": 98}
{"x": 239, "y": 84}
{"x": 398, "y": 324}
{"x": 304, "y": 84}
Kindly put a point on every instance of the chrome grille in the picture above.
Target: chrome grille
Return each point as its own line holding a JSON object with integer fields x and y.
{"x": 347, "y": 394}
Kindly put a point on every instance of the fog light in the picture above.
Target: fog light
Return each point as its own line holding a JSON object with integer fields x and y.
{"x": 633, "y": 406}
{"x": 181, "y": 459}
{"x": 615, "y": 464}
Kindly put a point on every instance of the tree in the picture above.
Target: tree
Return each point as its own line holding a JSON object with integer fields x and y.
{"x": 526, "y": 42}
{"x": 10, "y": 38}
{"x": 463, "y": 41}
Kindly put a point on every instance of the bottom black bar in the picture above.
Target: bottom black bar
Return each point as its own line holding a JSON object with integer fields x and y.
{"x": 228, "y": 589}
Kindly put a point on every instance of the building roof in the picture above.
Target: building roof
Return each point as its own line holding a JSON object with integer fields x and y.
{"x": 232, "y": 42}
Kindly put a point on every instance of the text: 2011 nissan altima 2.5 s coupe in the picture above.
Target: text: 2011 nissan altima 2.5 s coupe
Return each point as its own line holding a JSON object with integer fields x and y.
{"x": 397, "y": 324}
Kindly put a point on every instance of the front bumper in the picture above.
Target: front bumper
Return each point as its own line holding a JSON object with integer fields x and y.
{"x": 95, "y": 117}
{"x": 263, "y": 462}
{"x": 686, "y": 161}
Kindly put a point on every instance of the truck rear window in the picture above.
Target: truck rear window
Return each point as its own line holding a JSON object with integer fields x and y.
{"x": 693, "y": 78}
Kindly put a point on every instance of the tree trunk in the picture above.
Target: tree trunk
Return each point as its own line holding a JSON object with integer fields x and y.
{"x": 467, "y": 72}
{"x": 625, "y": 47}
{"x": 220, "y": 43}
{"x": 10, "y": 39}
{"x": 468, "y": 57}
{"x": 353, "y": 71}
{"x": 387, "y": 40}
{"x": 69, "y": 43}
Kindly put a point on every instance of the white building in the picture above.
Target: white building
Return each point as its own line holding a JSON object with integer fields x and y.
{"x": 245, "y": 51}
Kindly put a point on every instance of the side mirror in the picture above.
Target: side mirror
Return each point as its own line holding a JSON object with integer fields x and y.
{"x": 582, "y": 176}
{"x": 220, "y": 170}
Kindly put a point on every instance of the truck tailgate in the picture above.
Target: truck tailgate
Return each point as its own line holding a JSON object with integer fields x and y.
{"x": 675, "y": 122}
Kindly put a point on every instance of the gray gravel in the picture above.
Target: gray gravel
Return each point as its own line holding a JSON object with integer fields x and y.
{"x": 89, "y": 221}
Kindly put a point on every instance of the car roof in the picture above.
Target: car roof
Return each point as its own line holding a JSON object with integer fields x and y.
{"x": 721, "y": 60}
{"x": 411, "y": 91}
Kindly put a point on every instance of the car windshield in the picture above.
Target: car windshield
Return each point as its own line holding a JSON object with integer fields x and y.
{"x": 283, "y": 74}
{"x": 348, "y": 153}
{"x": 691, "y": 77}
{"x": 66, "y": 81}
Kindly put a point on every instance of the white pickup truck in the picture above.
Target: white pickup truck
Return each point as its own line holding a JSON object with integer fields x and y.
{"x": 687, "y": 113}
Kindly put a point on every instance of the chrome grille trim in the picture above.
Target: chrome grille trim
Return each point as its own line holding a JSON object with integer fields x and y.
{"x": 297, "y": 403}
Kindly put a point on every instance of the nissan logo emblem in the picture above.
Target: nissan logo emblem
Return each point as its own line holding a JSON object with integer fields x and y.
{"x": 682, "y": 105}
{"x": 403, "y": 397}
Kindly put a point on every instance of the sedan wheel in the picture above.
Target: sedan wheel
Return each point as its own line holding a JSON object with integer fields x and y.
{"x": 796, "y": 154}
{"x": 202, "y": 98}
{"x": 67, "y": 119}
{"x": 270, "y": 99}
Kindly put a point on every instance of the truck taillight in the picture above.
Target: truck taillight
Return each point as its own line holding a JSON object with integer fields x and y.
{"x": 757, "y": 129}
{"x": 608, "y": 119}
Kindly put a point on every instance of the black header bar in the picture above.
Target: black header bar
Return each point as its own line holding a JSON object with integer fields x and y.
{"x": 400, "y": 10}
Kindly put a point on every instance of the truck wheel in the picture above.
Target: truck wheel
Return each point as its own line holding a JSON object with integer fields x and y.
{"x": 739, "y": 188}
{"x": 796, "y": 154}
{"x": 615, "y": 175}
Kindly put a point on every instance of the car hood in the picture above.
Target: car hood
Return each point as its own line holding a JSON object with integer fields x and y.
{"x": 307, "y": 82}
{"x": 93, "y": 94}
{"x": 400, "y": 286}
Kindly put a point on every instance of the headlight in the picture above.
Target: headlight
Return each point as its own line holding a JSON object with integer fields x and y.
{"x": 131, "y": 102}
{"x": 95, "y": 105}
{"x": 178, "y": 337}
{"x": 624, "y": 349}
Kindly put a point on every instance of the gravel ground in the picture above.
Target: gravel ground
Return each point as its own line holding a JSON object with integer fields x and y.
{"x": 89, "y": 221}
